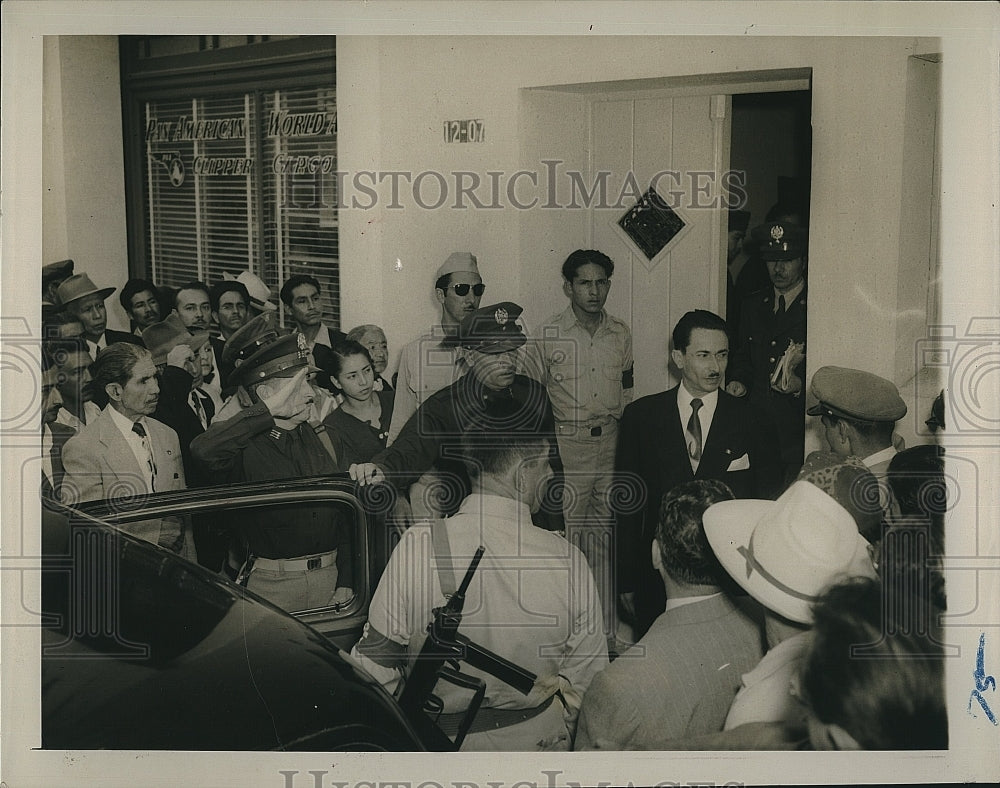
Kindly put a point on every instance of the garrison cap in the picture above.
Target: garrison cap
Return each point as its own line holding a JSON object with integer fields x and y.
{"x": 458, "y": 262}
{"x": 60, "y": 270}
{"x": 492, "y": 329}
{"x": 260, "y": 353}
{"x": 160, "y": 338}
{"x": 780, "y": 240}
{"x": 855, "y": 395}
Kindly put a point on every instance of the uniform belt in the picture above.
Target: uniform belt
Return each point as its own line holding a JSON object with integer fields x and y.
{"x": 594, "y": 426}
{"x": 488, "y": 719}
{"x": 304, "y": 564}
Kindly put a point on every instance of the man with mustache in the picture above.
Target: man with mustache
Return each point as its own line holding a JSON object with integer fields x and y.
{"x": 124, "y": 451}
{"x": 692, "y": 431}
{"x": 489, "y": 339}
{"x": 193, "y": 305}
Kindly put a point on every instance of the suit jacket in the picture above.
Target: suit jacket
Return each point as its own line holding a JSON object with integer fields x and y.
{"x": 681, "y": 685}
{"x": 111, "y": 337}
{"x": 653, "y": 454}
{"x": 60, "y": 434}
{"x": 223, "y": 370}
{"x": 763, "y": 338}
{"x": 174, "y": 410}
{"x": 100, "y": 465}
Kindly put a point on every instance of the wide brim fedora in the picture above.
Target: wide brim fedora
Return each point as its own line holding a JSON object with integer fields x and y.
{"x": 785, "y": 553}
{"x": 79, "y": 286}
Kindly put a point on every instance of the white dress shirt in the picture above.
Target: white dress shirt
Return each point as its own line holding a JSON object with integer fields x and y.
{"x": 142, "y": 448}
{"x": 705, "y": 415}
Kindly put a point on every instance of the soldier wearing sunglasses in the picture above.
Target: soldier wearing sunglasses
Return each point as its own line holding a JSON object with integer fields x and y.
{"x": 430, "y": 363}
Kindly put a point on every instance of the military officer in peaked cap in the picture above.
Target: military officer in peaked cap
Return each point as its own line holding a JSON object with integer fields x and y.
{"x": 299, "y": 557}
{"x": 489, "y": 338}
{"x": 768, "y": 363}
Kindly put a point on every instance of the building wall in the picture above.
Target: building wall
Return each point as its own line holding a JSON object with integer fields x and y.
{"x": 394, "y": 94}
{"x": 83, "y": 169}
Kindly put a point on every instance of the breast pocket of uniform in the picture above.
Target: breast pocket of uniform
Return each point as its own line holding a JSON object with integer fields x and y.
{"x": 563, "y": 368}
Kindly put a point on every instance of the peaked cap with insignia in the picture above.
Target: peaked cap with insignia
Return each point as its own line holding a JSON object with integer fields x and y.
{"x": 492, "y": 329}
{"x": 780, "y": 240}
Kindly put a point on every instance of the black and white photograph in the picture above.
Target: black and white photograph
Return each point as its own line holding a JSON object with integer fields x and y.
{"x": 499, "y": 394}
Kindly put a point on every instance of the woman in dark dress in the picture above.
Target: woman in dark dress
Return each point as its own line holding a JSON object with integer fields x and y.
{"x": 359, "y": 427}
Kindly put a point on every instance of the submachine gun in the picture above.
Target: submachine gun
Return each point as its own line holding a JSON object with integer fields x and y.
{"x": 444, "y": 648}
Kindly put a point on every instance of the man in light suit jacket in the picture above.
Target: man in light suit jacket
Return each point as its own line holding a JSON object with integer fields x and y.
{"x": 681, "y": 678}
{"x": 124, "y": 453}
{"x": 661, "y": 445}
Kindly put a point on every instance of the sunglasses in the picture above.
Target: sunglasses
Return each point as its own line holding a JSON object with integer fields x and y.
{"x": 463, "y": 289}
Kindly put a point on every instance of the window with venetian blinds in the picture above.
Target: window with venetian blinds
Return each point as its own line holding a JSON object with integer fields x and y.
{"x": 240, "y": 179}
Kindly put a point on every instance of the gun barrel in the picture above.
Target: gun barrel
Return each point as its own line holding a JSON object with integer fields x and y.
{"x": 470, "y": 572}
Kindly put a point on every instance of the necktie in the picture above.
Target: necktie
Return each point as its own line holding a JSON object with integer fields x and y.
{"x": 694, "y": 433}
{"x": 781, "y": 304}
{"x": 139, "y": 430}
{"x": 197, "y": 407}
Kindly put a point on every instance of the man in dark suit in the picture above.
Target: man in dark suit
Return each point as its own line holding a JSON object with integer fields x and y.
{"x": 768, "y": 362}
{"x": 230, "y": 303}
{"x": 85, "y": 301}
{"x": 693, "y": 431}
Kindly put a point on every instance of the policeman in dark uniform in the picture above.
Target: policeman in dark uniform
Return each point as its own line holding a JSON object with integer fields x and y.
{"x": 299, "y": 555}
{"x": 489, "y": 337}
{"x": 769, "y": 361}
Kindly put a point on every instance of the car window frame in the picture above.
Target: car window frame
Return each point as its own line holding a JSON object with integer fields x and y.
{"x": 343, "y": 629}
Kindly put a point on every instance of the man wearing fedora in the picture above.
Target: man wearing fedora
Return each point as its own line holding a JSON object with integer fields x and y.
{"x": 785, "y": 554}
{"x": 230, "y": 302}
{"x": 768, "y": 362}
{"x": 430, "y": 362}
{"x": 692, "y": 431}
{"x": 85, "y": 301}
{"x": 182, "y": 405}
{"x": 124, "y": 451}
{"x": 300, "y": 557}
{"x": 489, "y": 338}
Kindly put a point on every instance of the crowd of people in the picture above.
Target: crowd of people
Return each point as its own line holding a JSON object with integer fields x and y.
{"x": 672, "y": 568}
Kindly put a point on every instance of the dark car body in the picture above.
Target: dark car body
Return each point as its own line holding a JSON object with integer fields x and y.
{"x": 145, "y": 650}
